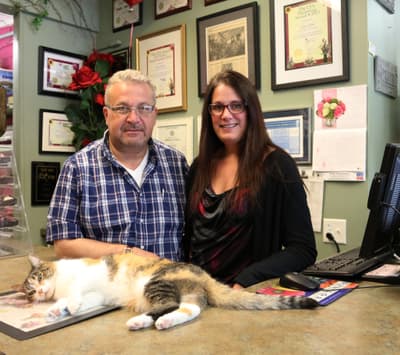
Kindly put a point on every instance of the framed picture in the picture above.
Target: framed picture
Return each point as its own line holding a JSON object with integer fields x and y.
{"x": 177, "y": 133}
{"x": 55, "y": 71}
{"x": 162, "y": 57}
{"x": 164, "y": 8}
{"x": 228, "y": 40}
{"x": 209, "y": 2}
{"x": 291, "y": 130}
{"x": 122, "y": 58}
{"x": 124, "y": 16}
{"x": 308, "y": 50}
{"x": 55, "y": 135}
{"x": 23, "y": 320}
{"x": 44, "y": 177}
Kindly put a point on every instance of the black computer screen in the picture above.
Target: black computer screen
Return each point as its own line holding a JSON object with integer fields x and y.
{"x": 384, "y": 205}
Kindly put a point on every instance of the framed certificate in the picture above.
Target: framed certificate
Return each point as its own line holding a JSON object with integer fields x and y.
{"x": 291, "y": 130}
{"x": 123, "y": 16}
{"x": 55, "y": 135}
{"x": 164, "y": 8}
{"x": 55, "y": 72}
{"x": 309, "y": 43}
{"x": 178, "y": 133}
{"x": 162, "y": 57}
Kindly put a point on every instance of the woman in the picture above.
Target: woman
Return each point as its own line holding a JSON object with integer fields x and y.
{"x": 247, "y": 216}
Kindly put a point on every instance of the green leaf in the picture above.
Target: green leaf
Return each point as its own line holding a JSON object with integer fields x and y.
{"x": 102, "y": 67}
{"x": 74, "y": 113}
{"x": 87, "y": 94}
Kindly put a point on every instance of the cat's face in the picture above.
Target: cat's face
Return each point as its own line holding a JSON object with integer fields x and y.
{"x": 39, "y": 285}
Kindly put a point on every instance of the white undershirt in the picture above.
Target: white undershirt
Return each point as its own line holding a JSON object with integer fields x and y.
{"x": 137, "y": 173}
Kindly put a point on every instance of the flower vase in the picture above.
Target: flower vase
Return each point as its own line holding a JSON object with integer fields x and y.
{"x": 329, "y": 122}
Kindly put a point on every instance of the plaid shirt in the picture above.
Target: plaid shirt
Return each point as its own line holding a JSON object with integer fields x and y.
{"x": 95, "y": 197}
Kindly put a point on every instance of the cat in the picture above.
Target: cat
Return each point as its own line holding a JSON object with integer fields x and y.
{"x": 165, "y": 293}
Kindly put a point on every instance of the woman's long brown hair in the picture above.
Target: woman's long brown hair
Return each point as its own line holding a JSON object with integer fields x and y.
{"x": 253, "y": 147}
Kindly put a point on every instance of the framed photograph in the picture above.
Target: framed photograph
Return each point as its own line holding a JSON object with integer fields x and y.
{"x": 124, "y": 16}
{"x": 55, "y": 135}
{"x": 44, "y": 178}
{"x": 23, "y": 320}
{"x": 178, "y": 133}
{"x": 228, "y": 40}
{"x": 121, "y": 57}
{"x": 309, "y": 42}
{"x": 164, "y": 8}
{"x": 55, "y": 72}
{"x": 162, "y": 57}
{"x": 209, "y": 2}
{"x": 291, "y": 130}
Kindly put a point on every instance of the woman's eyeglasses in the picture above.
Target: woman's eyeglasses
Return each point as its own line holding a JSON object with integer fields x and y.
{"x": 234, "y": 107}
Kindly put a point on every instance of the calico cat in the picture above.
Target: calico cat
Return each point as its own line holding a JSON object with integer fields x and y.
{"x": 166, "y": 293}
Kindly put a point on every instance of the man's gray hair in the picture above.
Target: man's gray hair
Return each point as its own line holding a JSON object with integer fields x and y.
{"x": 128, "y": 75}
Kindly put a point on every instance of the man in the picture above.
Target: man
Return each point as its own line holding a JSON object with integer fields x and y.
{"x": 124, "y": 192}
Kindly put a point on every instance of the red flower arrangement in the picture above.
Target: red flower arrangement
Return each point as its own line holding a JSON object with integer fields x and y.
{"x": 90, "y": 80}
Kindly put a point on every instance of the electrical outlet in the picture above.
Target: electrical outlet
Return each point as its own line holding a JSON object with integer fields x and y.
{"x": 337, "y": 227}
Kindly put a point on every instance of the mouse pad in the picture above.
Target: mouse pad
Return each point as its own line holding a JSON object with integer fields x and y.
{"x": 329, "y": 290}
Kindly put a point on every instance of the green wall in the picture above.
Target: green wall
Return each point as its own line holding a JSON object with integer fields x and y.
{"x": 27, "y": 102}
{"x": 342, "y": 199}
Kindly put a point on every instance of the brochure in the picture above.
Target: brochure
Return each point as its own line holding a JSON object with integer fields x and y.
{"x": 330, "y": 290}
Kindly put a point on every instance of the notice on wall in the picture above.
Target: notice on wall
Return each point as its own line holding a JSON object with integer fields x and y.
{"x": 340, "y": 137}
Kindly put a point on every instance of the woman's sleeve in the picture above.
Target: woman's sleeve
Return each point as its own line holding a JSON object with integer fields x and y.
{"x": 283, "y": 230}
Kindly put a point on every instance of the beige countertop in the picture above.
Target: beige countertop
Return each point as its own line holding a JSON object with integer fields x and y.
{"x": 366, "y": 321}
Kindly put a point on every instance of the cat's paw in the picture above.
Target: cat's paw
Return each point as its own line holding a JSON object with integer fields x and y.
{"x": 185, "y": 313}
{"x": 166, "y": 321}
{"x": 73, "y": 306}
{"x": 58, "y": 309}
{"x": 140, "y": 322}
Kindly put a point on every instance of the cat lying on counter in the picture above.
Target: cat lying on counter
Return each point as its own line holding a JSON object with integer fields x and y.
{"x": 166, "y": 293}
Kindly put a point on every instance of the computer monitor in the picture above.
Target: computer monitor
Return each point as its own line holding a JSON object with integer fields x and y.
{"x": 384, "y": 205}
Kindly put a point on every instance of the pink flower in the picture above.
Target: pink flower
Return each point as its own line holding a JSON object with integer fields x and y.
{"x": 330, "y": 108}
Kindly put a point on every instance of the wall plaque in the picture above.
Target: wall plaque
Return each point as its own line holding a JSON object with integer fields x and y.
{"x": 385, "y": 75}
{"x": 44, "y": 179}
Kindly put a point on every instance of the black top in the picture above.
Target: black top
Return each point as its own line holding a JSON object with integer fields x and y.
{"x": 221, "y": 238}
{"x": 283, "y": 237}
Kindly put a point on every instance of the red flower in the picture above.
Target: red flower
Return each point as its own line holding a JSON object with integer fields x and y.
{"x": 84, "y": 78}
{"x": 85, "y": 142}
{"x": 95, "y": 56}
{"x": 133, "y": 2}
{"x": 90, "y": 80}
{"x": 99, "y": 99}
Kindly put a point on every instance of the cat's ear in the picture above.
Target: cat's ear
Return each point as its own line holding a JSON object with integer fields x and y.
{"x": 35, "y": 261}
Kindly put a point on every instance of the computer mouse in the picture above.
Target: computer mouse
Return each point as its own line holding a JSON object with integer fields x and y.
{"x": 298, "y": 281}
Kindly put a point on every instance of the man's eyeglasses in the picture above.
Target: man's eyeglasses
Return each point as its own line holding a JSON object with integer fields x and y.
{"x": 141, "y": 110}
{"x": 234, "y": 107}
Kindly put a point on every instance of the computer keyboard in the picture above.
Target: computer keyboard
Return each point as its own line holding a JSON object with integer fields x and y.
{"x": 347, "y": 263}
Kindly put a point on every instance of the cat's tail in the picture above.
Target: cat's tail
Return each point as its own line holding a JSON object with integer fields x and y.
{"x": 223, "y": 296}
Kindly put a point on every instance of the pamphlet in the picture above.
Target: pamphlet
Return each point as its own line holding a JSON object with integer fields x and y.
{"x": 329, "y": 290}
